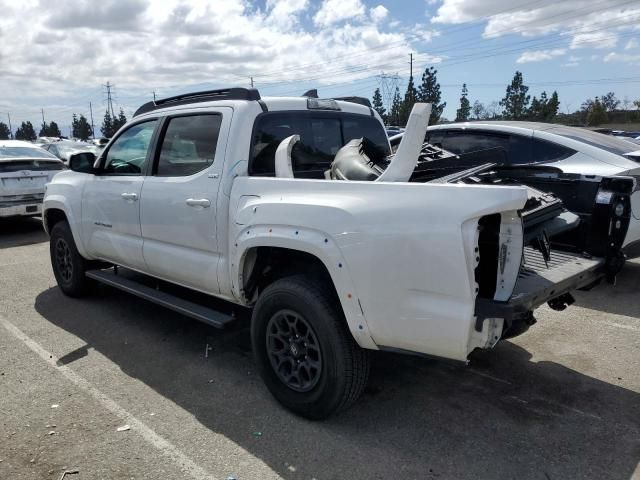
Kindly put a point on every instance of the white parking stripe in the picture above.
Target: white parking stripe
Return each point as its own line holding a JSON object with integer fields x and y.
{"x": 166, "y": 448}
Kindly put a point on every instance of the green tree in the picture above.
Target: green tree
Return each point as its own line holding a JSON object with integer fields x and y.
{"x": 394, "y": 114}
{"x": 378, "y": 106}
{"x": 636, "y": 103}
{"x": 119, "y": 121}
{"x": 463, "y": 113}
{"x": 80, "y": 127}
{"x": 597, "y": 115}
{"x": 516, "y": 100}
{"x": 551, "y": 107}
{"x": 478, "y": 110}
{"x": 26, "y": 132}
{"x": 5, "y": 133}
{"x": 429, "y": 92}
{"x": 609, "y": 102}
{"x": 410, "y": 98}
{"x": 50, "y": 130}
{"x": 107, "y": 125}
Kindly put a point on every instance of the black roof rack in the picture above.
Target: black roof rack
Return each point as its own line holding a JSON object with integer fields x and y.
{"x": 359, "y": 100}
{"x": 204, "y": 96}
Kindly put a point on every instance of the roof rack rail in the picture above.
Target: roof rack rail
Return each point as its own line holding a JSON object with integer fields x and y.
{"x": 204, "y": 96}
{"x": 359, "y": 100}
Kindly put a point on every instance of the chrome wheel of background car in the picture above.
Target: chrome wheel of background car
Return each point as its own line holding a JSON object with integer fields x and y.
{"x": 293, "y": 350}
{"x": 63, "y": 259}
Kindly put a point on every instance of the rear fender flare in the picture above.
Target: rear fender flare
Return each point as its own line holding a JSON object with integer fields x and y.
{"x": 316, "y": 243}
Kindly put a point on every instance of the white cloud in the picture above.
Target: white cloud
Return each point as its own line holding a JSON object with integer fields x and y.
{"x": 378, "y": 13}
{"x": 334, "y": 11}
{"x": 170, "y": 46}
{"x": 540, "y": 55}
{"x": 587, "y": 23}
{"x": 598, "y": 40}
{"x": 631, "y": 44}
{"x": 621, "y": 57}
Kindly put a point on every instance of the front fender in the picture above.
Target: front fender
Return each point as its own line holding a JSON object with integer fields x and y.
{"x": 317, "y": 243}
{"x": 60, "y": 202}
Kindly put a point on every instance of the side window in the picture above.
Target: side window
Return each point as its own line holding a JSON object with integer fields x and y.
{"x": 460, "y": 142}
{"x": 544, "y": 151}
{"x": 127, "y": 155}
{"x": 435, "y": 137}
{"x": 188, "y": 145}
{"x": 519, "y": 150}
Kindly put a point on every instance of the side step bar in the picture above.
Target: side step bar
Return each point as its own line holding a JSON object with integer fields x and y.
{"x": 177, "y": 304}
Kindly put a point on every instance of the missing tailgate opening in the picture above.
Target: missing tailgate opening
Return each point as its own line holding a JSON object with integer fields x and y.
{"x": 488, "y": 240}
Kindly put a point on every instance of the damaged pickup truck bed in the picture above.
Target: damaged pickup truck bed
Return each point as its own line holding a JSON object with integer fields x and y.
{"x": 296, "y": 209}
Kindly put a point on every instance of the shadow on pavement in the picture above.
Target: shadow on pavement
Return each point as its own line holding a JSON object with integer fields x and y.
{"x": 504, "y": 416}
{"x": 615, "y": 298}
{"x": 18, "y": 232}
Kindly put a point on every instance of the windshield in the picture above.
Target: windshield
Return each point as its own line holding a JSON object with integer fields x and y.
{"x": 605, "y": 142}
{"x": 25, "y": 152}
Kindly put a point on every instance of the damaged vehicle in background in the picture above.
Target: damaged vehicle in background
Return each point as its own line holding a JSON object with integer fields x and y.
{"x": 24, "y": 171}
{"x": 63, "y": 149}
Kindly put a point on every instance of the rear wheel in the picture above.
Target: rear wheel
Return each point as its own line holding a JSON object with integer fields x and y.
{"x": 303, "y": 349}
{"x": 67, "y": 263}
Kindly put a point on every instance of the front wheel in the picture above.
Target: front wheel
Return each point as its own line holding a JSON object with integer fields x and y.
{"x": 67, "y": 263}
{"x": 303, "y": 349}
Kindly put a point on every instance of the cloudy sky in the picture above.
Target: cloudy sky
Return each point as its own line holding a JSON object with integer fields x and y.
{"x": 58, "y": 55}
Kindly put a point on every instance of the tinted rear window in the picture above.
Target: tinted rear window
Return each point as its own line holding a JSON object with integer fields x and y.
{"x": 24, "y": 152}
{"x": 322, "y": 134}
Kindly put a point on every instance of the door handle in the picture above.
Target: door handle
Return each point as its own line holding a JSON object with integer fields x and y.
{"x": 198, "y": 202}
{"x": 130, "y": 196}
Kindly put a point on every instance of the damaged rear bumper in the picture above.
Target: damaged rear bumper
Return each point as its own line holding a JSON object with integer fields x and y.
{"x": 539, "y": 283}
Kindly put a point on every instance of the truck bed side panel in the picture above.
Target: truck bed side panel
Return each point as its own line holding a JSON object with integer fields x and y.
{"x": 401, "y": 255}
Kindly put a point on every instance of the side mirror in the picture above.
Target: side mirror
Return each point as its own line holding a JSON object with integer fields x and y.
{"x": 82, "y": 162}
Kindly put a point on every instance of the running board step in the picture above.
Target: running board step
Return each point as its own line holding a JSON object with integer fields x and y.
{"x": 177, "y": 304}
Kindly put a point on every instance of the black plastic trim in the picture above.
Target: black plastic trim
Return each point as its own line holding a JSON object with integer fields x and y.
{"x": 250, "y": 94}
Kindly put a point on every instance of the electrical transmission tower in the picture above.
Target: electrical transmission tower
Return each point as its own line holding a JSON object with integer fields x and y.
{"x": 388, "y": 84}
{"x": 109, "y": 87}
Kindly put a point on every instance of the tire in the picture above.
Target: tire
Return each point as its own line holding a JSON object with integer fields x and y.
{"x": 325, "y": 371}
{"x": 68, "y": 265}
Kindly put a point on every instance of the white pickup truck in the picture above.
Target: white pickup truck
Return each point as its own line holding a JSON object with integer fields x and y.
{"x": 253, "y": 200}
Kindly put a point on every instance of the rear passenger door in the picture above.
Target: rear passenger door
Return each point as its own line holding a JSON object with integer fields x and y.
{"x": 178, "y": 203}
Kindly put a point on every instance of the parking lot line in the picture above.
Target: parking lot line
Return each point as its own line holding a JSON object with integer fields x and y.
{"x": 162, "y": 444}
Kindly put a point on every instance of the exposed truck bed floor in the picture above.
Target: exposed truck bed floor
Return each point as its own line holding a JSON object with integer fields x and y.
{"x": 564, "y": 271}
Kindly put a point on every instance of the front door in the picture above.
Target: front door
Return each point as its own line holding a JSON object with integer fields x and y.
{"x": 178, "y": 203}
{"x": 111, "y": 199}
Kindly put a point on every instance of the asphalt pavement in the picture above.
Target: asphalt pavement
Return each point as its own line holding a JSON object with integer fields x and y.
{"x": 112, "y": 387}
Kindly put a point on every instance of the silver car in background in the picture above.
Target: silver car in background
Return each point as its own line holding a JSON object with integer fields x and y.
{"x": 25, "y": 169}
{"x": 572, "y": 150}
{"x": 63, "y": 149}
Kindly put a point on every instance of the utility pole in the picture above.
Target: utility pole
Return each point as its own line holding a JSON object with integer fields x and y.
{"x": 154, "y": 96}
{"x": 251, "y": 81}
{"x": 93, "y": 129}
{"x": 10, "y": 129}
{"x": 44, "y": 124}
{"x": 109, "y": 86}
{"x": 411, "y": 65}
